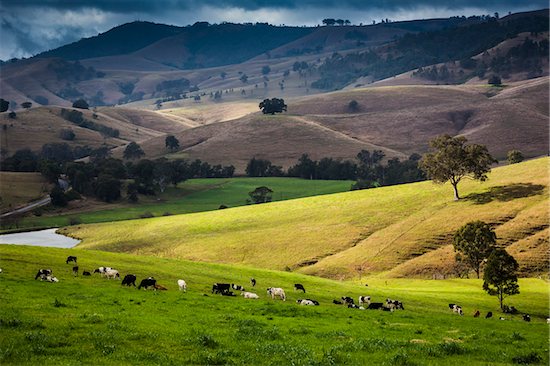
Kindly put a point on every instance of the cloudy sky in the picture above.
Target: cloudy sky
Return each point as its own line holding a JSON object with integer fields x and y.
{"x": 32, "y": 26}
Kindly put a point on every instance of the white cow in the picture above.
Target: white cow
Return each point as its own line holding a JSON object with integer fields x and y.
{"x": 305, "y": 302}
{"x": 276, "y": 291}
{"x": 51, "y": 279}
{"x": 182, "y": 285}
{"x": 249, "y": 295}
{"x": 112, "y": 273}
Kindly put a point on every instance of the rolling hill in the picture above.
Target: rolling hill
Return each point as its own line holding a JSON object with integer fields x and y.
{"x": 398, "y": 231}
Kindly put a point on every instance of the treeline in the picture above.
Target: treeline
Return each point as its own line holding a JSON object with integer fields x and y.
{"x": 78, "y": 119}
{"x": 368, "y": 169}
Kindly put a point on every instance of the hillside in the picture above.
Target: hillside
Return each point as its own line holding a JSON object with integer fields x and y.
{"x": 377, "y": 230}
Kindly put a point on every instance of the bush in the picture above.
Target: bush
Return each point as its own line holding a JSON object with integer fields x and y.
{"x": 515, "y": 156}
{"x": 528, "y": 359}
{"x": 67, "y": 134}
{"x": 353, "y": 106}
{"x": 495, "y": 80}
{"x": 81, "y": 103}
{"x": 72, "y": 195}
{"x": 74, "y": 221}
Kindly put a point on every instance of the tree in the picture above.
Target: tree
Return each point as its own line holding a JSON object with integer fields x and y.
{"x": 107, "y": 188}
{"x": 81, "y": 103}
{"x": 58, "y": 197}
{"x": 273, "y": 105}
{"x": 499, "y": 277}
{"x": 261, "y": 194}
{"x": 353, "y": 106}
{"x": 26, "y": 105}
{"x": 266, "y": 70}
{"x": 67, "y": 134}
{"x": 453, "y": 160}
{"x": 495, "y": 80}
{"x": 244, "y": 78}
{"x": 4, "y": 105}
{"x": 515, "y": 156}
{"x": 474, "y": 241}
{"x": 329, "y": 21}
{"x": 172, "y": 143}
{"x": 133, "y": 151}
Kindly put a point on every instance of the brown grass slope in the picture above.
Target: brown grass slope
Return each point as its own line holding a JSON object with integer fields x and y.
{"x": 17, "y": 189}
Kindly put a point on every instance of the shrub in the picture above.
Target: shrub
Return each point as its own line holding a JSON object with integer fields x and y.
{"x": 74, "y": 221}
{"x": 515, "y": 156}
{"x": 353, "y": 106}
{"x": 495, "y": 80}
{"x": 67, "y": 134}
{"x": 527, "y": 359}
{"x": 81, "y": 103}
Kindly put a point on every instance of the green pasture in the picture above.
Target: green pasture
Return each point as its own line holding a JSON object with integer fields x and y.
{"x": 91, "y": 320}
{"x": 195, "y": 195}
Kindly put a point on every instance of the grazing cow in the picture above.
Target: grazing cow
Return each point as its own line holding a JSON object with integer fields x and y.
{"x": 128, "y": 280}
{"x": 249, "y": 295}
{"x": 305, "y": 302}
{"x": 70, "y": 259}
{"x": 42, "y": 273}
{"x": 228, "y": 293}
{"x": 237, "y": 287}
{"x": 375, "y": 306}
{"x": 299, "y": 286}
{"x": 347, "y": 300}
{"x": 253, "y": 282}
{"x": 353, "y": 306}
{"x": 147, "y": 282}
{"x": 509, "y": 309}
{"x": 364, "y": 300}
{"x": 220, "y": 288}
{"x": 112, "y": 273}
{"x": 394, "y": 304}
{"x": 477, "y": 314}
{"x": 86, "y": 273}
{"x": 502, "y": 318}
{"x": 489, "y": 315}
{"x": 75, "y": 270}
{"x": 182, "y": 285}
{"x": 50, "y": 279}
{"x": 315, "y": 302}
{"x": 337, "y": 302}
{"x": 276, "y": 291}
{"x": 456, "y": 309}
{"x": 527, "y": 317}
{"x": 160, "y": 287}
{"x": 547, "y": 320}
{"x": 102, "y": 270}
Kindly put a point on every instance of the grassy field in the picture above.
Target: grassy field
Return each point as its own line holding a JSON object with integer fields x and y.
{"x": 376, "y": 230}
{"x": 90, "y": 320}
{"x": 194, "y": 195}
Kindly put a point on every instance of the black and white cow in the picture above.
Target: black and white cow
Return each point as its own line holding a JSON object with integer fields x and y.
{"x": 42, "y": 273}
{"x": 337, "y": 302}
{"x": 347, "y": 300}
{"x": 527, "y": 317}
{"x": 315, "y": 302}
{"x": 70, "y": 259}
{"x": 394, "y": 304}
{"x": 129, "y": 279}
{"x": 147, "y": 282}
{"x": 364, "y": 300}
{"x": 237, "y": 287}
{"x": 456, "y": 309}
{"x": 276, "y": 292}
{"x": 253, "y": 282}
{"x": 220, "y": 288}
{"x": 299, "y": 286}
{"x": 75, "y": 270}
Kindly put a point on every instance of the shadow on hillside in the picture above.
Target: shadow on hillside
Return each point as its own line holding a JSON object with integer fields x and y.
{"x": 506, "y": 193}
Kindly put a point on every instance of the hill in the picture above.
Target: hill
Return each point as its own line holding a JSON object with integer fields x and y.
{"x": 374, "y": 231}
{"x": 106, "y": 323}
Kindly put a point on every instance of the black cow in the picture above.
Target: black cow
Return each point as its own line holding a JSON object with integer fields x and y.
{"x": 75, "y": 270}
{"x": 129, "y": 279}
{"x": 489, "y": 315}
{"x": 337, "y": 302}
{"x": 147, "y": 282}
{"x": 86, "y": 273}
{"x": 220, "y": 288}
{"x": 253, "y": 282}
{"x": 299, "y": 286}
{"x": 527, "y": 317}
{"x": 347, "y": 300}
{"x": 237, "y": 287}
{"x": 70, "y": 259}
{"x": 42, "y": 273}
{"x": 375, "y": 306}
{"x": 228, "y": 293}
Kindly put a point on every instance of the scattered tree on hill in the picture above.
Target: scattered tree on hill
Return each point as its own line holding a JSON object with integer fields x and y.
{"x": 273, "y": 105}
{"x": 81, "y": 103}
{"x": 329, "y": 21}
{"x": 172, "y": 143}
{"x": 499, "y": 277}
{"x": 494, "y": 80}
{"x": 12, "y": 115}
{"x": 353, "y": 106}
{"x": 515, "y": 156}
{"x": 453, "y": 160}
{"x": 261, "y": 194}
{"x": 107, "y": 188}
{"x": 474, "y": 242}
{"x": 133, "y": 151}
{"x": 223, "y": 74}
{"x": 244, "y": 78}
{"x": 266, "y": 70}
{"x": 4, "y": 105}
{"x": 67, "y": 134}
{"x": 26, "y": 105}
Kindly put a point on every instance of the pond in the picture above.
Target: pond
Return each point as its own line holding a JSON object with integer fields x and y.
{"x": 41, "y": 238}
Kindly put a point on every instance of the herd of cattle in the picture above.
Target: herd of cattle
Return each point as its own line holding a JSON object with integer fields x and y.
{"x": 225, "y": 289}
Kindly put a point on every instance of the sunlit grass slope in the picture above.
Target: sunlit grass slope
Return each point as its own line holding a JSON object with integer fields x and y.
{"x": 91, "y": 320}
{"x": 373, "y": 231}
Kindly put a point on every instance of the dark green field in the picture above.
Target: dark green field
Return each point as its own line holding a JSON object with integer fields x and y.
{"x": 96, "y": 321}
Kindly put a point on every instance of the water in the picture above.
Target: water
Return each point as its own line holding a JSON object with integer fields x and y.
{"x": 41, "y": 238}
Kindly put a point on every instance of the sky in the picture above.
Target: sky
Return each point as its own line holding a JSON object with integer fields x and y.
{"x": 28, "y": 27}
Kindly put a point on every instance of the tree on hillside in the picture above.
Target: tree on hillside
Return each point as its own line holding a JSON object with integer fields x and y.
{"x": 515, "y": 156}
{"x": 81, "y": 103}
{"x": 266, "y": 70}
{"x": 474, "y": 242}
{"x": 329, "y": 21}
{"x": 261, "y": 194}
{"x": 107, "y": 188}
{"x": 4, "y": 105}
{"x": 273, "y": 105}
{"x": 133, "y": 151}
{"x": 172, "y": 143}
{"x": 26, "y": 105}
{"x": 499, "y": 277}
{"x": 494, "y": 80}
{"x": 451, "y": 160}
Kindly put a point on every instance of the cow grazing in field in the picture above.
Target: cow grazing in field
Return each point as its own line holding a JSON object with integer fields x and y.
{"x": 128, "y": 280}
{"x": 299, "y": 286}
{"x": 353, "y": 306}
{"x": 315, "y": 302}
{"x": 50, "y": 279}
{"x": 347, "y": 300}
{"x": 228, "y": 293}
{"x": 337, "y": 302}
{"x": 394, "y": 304}
{"x": 160, "y": 287}
{"x": 502, "y": 318}
{"x": 147, "y": 282}
{"x": 75, "y": 270}
{"x": 364, "y": 300}
{"x": 42, "y": 273}
{"x": 86, "y": 273}
{"x": 182, "y": 285}
{"x": 112, "y": 273}
{"x": 477, "y": 314}
{"x": 305, "y": 302}
{"x": 102, "y": 270}
{"x": 237, "y": 287}
{"x": 70, "y": 259}
{"x": 527, "y": 317}
{"x": 456, "y": 309}
{"x": 220, "y": 288}
{"x": 253, "y": 282}
{"x": 249, "y": 295}
{"x": 489, "y": 315}
{"x": 276, "y": 292}
{"x": 375, "y": 306}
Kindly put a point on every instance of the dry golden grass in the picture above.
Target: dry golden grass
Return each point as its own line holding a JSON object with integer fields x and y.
{"x": 17, "y": 189}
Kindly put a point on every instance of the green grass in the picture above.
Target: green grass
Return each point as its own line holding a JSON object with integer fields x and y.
{"x": 197, "y": 195}
{"x": 97, "y": 321}
{"x": 378, "y": 229}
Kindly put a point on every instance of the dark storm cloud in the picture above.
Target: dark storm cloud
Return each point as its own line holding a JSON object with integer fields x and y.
{"x": 28, "y": 27}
